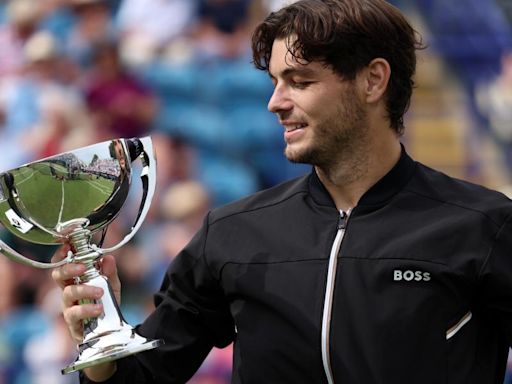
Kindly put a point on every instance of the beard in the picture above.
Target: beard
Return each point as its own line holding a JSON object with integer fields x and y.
{"x": 340, "y": 139}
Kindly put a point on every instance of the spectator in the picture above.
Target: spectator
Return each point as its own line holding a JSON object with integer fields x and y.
{"x": 93, "y": 25}
{"x": 63, "y": 120}
{"x": 494, "y": 101}
{"x": 120, "y": 104}
{"x": 214, "y": 101}
{"x": 45, "y": 114}
{"x": 47, "y": 352}
{"x": 157, "y": 21}
{"x": 23, "y": 17}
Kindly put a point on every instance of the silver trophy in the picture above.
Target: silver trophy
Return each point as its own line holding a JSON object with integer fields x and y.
{"x": 66, "y": 199}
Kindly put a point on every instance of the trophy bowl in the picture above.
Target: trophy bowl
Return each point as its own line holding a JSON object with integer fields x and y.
{"x": 67, "y": 198}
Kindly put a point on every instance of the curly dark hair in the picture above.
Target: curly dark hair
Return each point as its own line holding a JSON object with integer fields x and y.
{"x": 347, "y": 35}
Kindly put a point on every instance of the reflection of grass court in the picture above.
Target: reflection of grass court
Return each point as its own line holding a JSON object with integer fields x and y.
{"x": 52, "y": 194}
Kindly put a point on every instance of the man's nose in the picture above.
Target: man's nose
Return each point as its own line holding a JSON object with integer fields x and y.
{"x": 279, "y": 101}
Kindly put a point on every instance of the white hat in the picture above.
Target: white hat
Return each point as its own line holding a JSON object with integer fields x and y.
{"x": 184, "y": 199}
{"x": 40, "y": 46}
{"x": 23, "y": 11}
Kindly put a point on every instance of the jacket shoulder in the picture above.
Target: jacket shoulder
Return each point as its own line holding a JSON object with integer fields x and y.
{"x": 273, "y": 196}
{"x": 435, "y": 185}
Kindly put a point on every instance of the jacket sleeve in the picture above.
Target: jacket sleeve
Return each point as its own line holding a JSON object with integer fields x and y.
{"x": 495, "y": 288}
{"x": 191, "y": 315}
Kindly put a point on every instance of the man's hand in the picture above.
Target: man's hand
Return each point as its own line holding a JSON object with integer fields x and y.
{"x": 74, "y": 313}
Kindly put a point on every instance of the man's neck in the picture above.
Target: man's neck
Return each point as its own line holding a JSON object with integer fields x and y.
{"x": 347, "y": 182}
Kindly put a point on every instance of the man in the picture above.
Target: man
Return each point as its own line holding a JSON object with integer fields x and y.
{"x": 371, "y": 269}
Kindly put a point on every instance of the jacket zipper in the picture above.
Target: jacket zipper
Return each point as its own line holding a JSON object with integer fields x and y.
{"x": 457, "y": 327}
{"x": 329, "y": 293}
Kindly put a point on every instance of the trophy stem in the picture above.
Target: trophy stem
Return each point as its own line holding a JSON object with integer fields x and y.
{"x": 108, "y": 337}
{"x": 83, "y": 253}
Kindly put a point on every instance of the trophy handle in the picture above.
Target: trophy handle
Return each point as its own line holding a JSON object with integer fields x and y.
{"x": 148, "y": 178}
{"x": 18, "y": 257}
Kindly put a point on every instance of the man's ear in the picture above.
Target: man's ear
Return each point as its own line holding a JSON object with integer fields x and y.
{"x": 376, "y": 79}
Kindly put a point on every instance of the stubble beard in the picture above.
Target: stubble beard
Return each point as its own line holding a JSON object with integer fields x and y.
{"x": 340, "y": 144}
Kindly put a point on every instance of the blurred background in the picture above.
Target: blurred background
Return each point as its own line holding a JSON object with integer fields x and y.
{"x": 75, "y": 72}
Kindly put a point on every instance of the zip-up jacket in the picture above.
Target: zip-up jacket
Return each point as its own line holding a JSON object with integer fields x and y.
{"x": 412, "y": 286}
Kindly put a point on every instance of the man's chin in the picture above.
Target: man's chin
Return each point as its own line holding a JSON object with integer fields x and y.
{"x": 297, "y": 156}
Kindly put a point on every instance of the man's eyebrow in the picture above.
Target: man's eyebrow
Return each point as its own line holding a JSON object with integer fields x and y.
{"x": 290, "y": 71}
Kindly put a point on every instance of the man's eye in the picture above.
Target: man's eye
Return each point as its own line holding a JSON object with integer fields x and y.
{"x": 301, "y": 84}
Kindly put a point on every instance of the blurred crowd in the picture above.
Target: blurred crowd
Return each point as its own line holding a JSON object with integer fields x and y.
{"x": 76, "y": 72}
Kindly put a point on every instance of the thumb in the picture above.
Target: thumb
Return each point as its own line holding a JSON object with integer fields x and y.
{"x": 108, "y": 266}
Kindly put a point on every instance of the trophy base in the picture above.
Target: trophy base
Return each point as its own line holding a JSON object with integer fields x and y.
{"x": 108, "y": 348}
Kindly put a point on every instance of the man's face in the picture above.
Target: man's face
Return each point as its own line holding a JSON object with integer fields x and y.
{"x": 322, "y": 114}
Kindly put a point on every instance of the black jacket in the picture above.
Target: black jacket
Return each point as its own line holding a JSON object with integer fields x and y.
{"x": 421, "y": 287}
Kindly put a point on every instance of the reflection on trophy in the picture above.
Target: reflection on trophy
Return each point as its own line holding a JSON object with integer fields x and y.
{"x": 66, "y": 199}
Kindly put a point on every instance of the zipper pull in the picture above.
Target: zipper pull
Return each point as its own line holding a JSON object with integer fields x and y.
{"x": 342, "y": 220}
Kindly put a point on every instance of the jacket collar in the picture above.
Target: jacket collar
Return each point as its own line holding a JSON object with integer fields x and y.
{"x": 381, "y": 192}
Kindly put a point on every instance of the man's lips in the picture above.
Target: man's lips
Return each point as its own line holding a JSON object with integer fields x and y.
{"x": 293, "y": 130}
{"x": 290, "y": 126}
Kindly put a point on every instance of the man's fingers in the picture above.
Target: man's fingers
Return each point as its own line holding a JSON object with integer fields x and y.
{"x": 71, "y": 294}
{"x": 61, "y": 253}
{"x": 63, "y": 275}
{"x": 75, "y": 314}
{"x": 108, "y": 266}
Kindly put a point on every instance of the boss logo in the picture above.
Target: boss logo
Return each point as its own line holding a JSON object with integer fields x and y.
{"x": 408, "y": 275}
